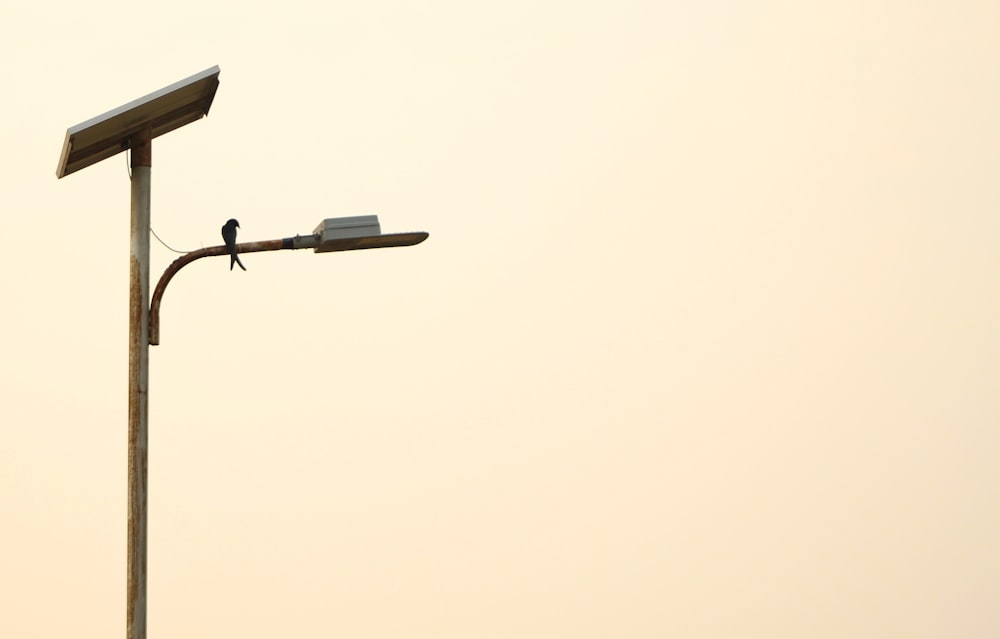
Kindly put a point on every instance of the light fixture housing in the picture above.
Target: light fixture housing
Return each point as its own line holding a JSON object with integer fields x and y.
{"x": 359, "y": 232}
{"x": 354, "y": 226}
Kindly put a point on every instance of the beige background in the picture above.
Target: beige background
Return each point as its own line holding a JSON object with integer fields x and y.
{"x": 703, "y": 343}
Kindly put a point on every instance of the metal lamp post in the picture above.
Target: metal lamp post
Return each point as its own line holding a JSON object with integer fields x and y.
{"x": 133, "y": 126}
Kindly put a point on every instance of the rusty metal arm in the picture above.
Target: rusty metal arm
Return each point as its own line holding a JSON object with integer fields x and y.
{"x": 297, "y": 242}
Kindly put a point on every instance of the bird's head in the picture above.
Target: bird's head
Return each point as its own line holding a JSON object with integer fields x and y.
{"x": 233, "y": 223}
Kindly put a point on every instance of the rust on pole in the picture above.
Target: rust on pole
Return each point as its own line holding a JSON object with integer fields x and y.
{"x": 138, "y": 384}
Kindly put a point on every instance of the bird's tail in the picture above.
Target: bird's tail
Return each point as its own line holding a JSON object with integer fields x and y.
{"x": 234, "y": 259}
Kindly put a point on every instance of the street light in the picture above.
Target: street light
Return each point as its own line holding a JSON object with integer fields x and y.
{"x": 133, "y": 126}
{"x": 323, "y": 240}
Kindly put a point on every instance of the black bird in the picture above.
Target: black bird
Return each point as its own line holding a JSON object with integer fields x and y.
{"x": 229, "y": 236}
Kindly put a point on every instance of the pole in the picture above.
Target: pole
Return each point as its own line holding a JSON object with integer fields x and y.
{"x": 138, "y": 384}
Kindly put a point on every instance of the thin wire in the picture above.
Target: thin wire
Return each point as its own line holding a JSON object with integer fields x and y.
{"x": 164, "y": 243}
{"x": 128, "y": 165}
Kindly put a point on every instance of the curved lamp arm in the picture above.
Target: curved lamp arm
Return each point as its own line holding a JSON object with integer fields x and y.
{"x": 297, "y": 242}
{"x": 309, "y": 241}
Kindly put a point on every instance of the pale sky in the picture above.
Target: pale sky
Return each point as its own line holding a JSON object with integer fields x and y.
{"x": 703, "y": 342}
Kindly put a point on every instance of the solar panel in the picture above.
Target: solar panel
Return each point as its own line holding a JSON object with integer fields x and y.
{"x": 163, "y": 111}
